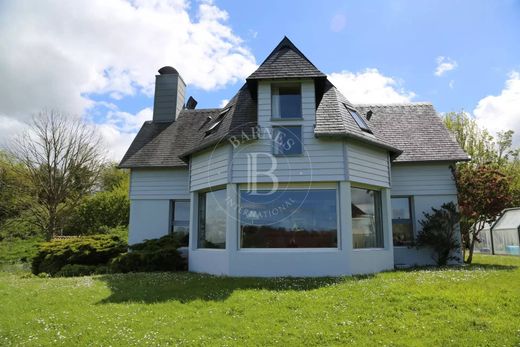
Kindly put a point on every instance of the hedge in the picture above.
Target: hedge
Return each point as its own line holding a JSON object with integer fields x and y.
{"x": 92, "y": 250}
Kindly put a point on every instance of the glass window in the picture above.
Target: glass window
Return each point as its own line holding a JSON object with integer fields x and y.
{"x": 358, "y": 119}
{"x": 402, "y": 227}
{"x": 288, "y": 219}
{"x": 287, "y": 140}
{"x": 212, "y": 219}
{"x": 367, "y": 228}
{"x": 180, "y": 225}
{"x": 286, "y": 101}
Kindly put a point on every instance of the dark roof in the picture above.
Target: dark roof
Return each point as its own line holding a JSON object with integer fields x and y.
{"x": 286, "y": 61}
{"x": 167, "y": 144}
{"x": 416, "y": 129}
{"x": 334, "y": 120}
{"x": 240, "y": 118}
{"x": 160, "y": 144}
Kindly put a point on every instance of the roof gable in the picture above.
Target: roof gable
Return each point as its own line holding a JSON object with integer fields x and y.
{"x": 286, "y": 61}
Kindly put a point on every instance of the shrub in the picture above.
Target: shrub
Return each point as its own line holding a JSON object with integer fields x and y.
{"x": 93, "y": 250}
{"x": 99, "y": 212}
{"x": 439, "y": 232}
{"x": 150, "y": 255}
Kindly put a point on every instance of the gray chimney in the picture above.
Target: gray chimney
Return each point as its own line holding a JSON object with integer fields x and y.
{"x": 169, "y": 95}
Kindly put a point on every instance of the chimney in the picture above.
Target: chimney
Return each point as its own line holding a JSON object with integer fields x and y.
{"x": 169, "y": 95}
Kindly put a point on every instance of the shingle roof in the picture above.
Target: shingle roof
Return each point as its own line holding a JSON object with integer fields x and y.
{"x": 416, "y": 129}
{"x": 160, "y": 144}
{"x": 286, "y": 61}
{"x": 333, "y": 119}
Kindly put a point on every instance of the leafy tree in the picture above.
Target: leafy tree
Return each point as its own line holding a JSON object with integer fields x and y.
{"x": 101, "y": 211}
{"x": 111, "y": 177}
{"x": 477, "y": 142}
{"x": 439, "y": 232}
{"x": 483, "y": 192}
{"x": 61, "y": 158}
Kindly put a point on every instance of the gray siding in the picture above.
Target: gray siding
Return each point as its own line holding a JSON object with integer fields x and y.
{"x": 321, "y": 161}
{"x": 159, "y": 184}
{"x": 210, "y": 168}
{"x": 368, "y": 165}
{"x": 422, "y": 179}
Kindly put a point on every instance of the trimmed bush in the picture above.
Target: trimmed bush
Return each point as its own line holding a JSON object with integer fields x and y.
{"x": 150, "y": 255}
{"x": 93, "y": 250}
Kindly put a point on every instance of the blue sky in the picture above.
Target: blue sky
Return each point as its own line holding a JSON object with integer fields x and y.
{"x": 401, "y": 39}
{"x": 98, "y": 58}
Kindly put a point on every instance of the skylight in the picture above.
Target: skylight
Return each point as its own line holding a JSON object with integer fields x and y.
{"x": 359, "y": 120}
{"x": 217, "y": 121}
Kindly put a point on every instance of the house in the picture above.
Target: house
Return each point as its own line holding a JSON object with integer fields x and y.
{"x": 289, "y": 178}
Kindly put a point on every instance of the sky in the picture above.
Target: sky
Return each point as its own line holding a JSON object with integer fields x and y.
{"x": 97, "y": 59}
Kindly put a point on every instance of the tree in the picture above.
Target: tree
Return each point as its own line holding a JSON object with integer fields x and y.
{"x": 112, "y": 177}
{"x": 483, "y": 192}
{"x": 477, "y": 142}
{"x": 61, "y": 156}
{"x": 439, "y": 232}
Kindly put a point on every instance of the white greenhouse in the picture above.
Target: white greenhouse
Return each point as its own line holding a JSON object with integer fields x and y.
{"x": 503, "y": 236}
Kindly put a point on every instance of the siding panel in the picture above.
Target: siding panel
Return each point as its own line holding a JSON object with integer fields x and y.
{"x": 422, "y": 179}
{"x": 159, "y": 184}
{"x": 367, "y": 165}
{"x": 210, "y": 168}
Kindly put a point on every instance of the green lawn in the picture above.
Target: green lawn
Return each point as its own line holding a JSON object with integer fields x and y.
{"x": 475, "y": 306}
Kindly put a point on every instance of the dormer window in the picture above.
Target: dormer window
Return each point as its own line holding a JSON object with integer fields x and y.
{"x": 286, "y": 100}
{"x": 358, "y": 119}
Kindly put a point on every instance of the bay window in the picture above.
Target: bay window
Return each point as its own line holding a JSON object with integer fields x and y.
{"x": 367, "y": 226}
{"x": 212, "y": 219}
{"x": 288, "y": 219}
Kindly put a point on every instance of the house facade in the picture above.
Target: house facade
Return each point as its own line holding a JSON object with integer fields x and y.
{"x": 289, "y": 178}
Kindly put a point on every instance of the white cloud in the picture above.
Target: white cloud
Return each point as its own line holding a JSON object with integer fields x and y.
{"x": 502, "y": 112}
{"x": 444, "y": 64}
{"x": 370, "y": 86}
{"x": 223, "y": 102}
{"x": 55, "y": 54}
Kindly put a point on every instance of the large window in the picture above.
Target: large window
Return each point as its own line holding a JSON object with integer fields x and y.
{"x": 180, "y": 220}
{"x": 288, "y": 219}
{"x": 286, "y": 100}
{"x": 212, "y": 219}
{"x": 367, "y": 227}
{"x": 402, "y": 227}
{"x": 287, "y": 140}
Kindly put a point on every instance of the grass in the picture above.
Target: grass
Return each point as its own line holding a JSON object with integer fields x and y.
{"x": 466, "y": 306}
{"x": 18, "y": 250}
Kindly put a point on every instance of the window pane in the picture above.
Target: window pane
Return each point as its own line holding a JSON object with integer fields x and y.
{"x": 287, "y": 140}
{"x": 400, "y": 208}
{"x": 402, "y": 228}
{"x": 288, "y": 219}
{"x": 212, "y": 219}
{"x": 181, "y": 221}
{"x": 402, "y": 234}
{"x": 367, "y": 230}
{"x": 286, "y": 101}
